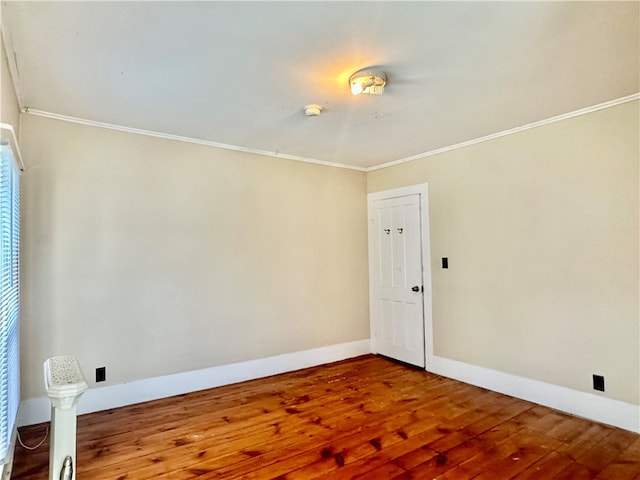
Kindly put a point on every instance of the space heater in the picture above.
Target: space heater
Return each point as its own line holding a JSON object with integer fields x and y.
{"x": 65, "y": 384}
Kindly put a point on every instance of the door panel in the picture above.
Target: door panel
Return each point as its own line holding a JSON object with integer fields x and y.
{"x": 397, "y": 313}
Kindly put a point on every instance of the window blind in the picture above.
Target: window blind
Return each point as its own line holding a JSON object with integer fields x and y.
{"x": 9, "y": 297}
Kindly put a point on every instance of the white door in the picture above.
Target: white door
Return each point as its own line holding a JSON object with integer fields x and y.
{"x": 397, "y": 301}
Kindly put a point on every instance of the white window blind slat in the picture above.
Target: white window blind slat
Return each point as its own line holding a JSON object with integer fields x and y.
{"x": 9, "y": 298}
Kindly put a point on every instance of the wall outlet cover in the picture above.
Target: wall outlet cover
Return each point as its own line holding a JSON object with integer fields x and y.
{"x": 598, "y": 383}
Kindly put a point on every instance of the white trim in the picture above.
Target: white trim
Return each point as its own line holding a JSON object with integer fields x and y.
{"x": 528, "y": 126}
{"x": 587, "y": 405}
{"x": 7, "y": 466}
{"x": 10, "y": 138}
{"x": 167, "y": 136}
{"x": 7, "y": 41}
{"x": 37, "y": 410}
{"x": 422, "y": 190}
{"x": 582, "y": 404}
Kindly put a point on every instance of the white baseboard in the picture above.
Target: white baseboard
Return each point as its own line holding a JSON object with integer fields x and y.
{"x": 586, "y": 405}
{"x": 37, "y": 410}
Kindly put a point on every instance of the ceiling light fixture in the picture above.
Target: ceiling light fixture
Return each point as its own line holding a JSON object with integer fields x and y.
{"x": 368, "y": 81}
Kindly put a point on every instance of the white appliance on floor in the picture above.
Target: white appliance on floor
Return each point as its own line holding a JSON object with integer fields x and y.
{"x": 65, "y": 384}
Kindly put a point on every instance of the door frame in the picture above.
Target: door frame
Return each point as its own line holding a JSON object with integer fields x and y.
{"x": 421, "y": 189}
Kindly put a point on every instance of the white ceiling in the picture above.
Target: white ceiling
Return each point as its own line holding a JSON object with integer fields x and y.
{"x": 239, "y": 73}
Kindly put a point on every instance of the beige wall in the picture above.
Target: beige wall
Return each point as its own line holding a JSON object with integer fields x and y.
{"x": 541, "y": 232}
{"x": 151, "y": 256}
{"x": 9, "y": 111}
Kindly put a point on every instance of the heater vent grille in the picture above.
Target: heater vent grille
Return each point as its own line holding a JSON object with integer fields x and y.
{"x": 65, "y": 370}
{"x": 63, "y": 379}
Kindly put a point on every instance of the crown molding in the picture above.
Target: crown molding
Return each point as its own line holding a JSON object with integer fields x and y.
{"x": 179, "y": 138}
{"x": 14, "y": 73}
{"x": 511, "y": 131}
{"x": 237, "y": 148}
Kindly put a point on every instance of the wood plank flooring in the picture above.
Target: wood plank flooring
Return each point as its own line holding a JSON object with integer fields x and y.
{"x": 366, "y": 418}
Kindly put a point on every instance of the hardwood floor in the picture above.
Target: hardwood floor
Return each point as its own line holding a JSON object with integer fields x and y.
{"x": 367, "y": 418}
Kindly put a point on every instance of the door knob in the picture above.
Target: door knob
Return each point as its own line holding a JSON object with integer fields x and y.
{"x": 416, "y": 288}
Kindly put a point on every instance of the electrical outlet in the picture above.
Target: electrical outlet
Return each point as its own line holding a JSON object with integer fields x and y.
{"x": 101, "y": 374}
{"x": 598, "y": 382}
